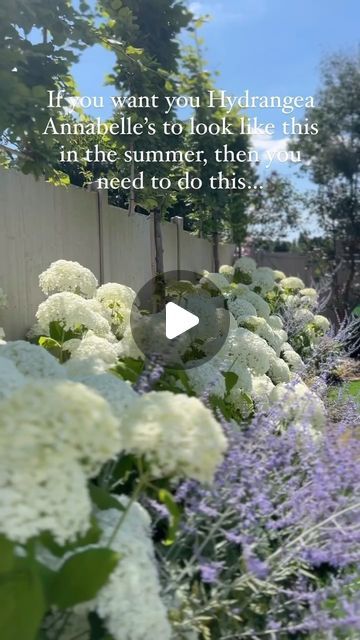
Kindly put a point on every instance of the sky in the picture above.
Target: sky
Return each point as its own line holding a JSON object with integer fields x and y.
{"x": 270, "y": 47}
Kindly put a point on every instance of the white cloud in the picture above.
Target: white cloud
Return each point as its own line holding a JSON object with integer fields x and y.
{"x": 268, "y": 146}
{"x": 222, "y": 13}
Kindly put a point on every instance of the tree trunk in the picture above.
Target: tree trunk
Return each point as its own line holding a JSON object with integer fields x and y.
{"x": 159, "y": 261}
{"x": 215, "y": 242}
{"x": 132, "y": 202}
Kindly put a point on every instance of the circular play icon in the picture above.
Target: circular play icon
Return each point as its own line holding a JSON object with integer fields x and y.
{"x": 180, "y": 318}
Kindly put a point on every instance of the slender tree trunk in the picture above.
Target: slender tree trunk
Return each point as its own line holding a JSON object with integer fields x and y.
{"x": 215, "y": 243}
{"x": 132, "y": 203}
{"x": 349, "y": 280}
{"x": 159, "y": 261}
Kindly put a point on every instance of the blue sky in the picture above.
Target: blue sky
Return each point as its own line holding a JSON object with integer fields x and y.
{"x": 271, "y": 47}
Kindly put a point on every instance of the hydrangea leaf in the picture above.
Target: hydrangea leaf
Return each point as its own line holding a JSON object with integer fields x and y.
{"x": 22, "y": 605}
{"x": 103, "y": 499}
{"x": 82, "y": 576}
{"x": 7, "y": 557}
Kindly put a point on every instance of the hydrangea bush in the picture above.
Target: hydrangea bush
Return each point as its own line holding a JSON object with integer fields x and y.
{"x": 140, "y": 503}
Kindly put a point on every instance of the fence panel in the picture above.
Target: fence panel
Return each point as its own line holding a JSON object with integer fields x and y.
{"x": 40, "y": 223}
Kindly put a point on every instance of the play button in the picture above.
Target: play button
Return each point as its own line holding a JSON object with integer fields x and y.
{"x": 179, "y": 321}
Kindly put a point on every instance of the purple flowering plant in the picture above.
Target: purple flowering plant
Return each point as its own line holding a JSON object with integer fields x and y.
{"x": 271, "y": 550}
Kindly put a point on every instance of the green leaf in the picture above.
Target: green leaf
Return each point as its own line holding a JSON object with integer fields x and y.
{"x": 92, "y": 536}
{"x": 82, "y": 576}
{"x": 103, "y": 499}
{"x": 134, "y": 51}
{"x": 175, "y": 515}
{"x": 48, "y": 343}
{"x": 22, "y": 605}
{"x": 231, "y": 379}
{"x": 129, "y": 369}
{"x": 7, "y": 558}
{"x": 56, "y": 331}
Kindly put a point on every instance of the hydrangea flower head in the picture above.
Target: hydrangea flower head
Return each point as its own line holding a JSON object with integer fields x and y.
{"x": 65, "y": 275}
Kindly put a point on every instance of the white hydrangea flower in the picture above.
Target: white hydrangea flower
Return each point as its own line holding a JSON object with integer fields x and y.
{"x": 207, "y": 379}
{"x": 77, "y": 369}
{"x": 299, "y": 404}
{"x": 240, "y": 401}
{"x": 118, "y": 393}
{"x": 66, "y": 417}
{"x": 292, "y": 358}
{"x": 10, "y": 378}
{"x": 227, "y": 271}
{"x": 128, "y": 347}
{"x": 118, "y": 300}
{"x": 303, "y": 316}
{"x": 244, "y": 348}
{"x": 37, "y": 495}
{"x": 245, "y": 265}
{"x": 244, "y": 381}
{"x": 279, "y": 370}
{"x": 217, "y": 279}
{"x": 263, "y": 278}
{"x": 73, "y": 313}
{"x": 112, "y": 292}
{"x": 321, "y": 323}
{"x": 276, "y": 323}
{"x": 240, "y": 308}
{"x": 94, "y": 347}
{"x": 53, "y": 436}
{"x": 262, "y": 328}
{"x": 309, "y": 294}
{"x": 130, "y": 603}
{"x": 261, "y": 306}
{"x": 279, "y": 275}
{"x": 262, "y": 387}
{"x": 32, "y": 360}
{"x": 177, "y": 435}
{"x": 65, "y": 275}
{"x": 292, "y": 284}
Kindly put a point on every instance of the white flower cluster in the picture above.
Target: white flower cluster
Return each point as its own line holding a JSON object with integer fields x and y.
{"x": 64, "y": 275}
{"x": 176, "y": 435}
{"x": 53, "y": 437}
{"x": 206, "y": 379}
{"x": 10, "y": 377}
{"x": 73, "y": 313}
{"x": 118, "y": 301}
{"x": 299, "y": 405}
{"x": 130, "y": 604}
{"x": 257, "y": 348}
{"x": 91, "y": 348}
{"x": 32, "y": 361}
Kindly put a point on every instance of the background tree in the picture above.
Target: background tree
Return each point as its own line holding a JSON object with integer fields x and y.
{"x": 332, "y": 158}
{"x": 274, "y": 210}
{"x": 216, "y": 213}
{"x": 149, "y": 30}
{"x": 39, "y": 42}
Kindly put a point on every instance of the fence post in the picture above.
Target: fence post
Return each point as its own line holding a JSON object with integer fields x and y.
{"x": 102, "y": 200}
{"x": 179, "y": 221}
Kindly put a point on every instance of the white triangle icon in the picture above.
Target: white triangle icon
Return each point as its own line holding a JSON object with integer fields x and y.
{"x": 178, "y": 320}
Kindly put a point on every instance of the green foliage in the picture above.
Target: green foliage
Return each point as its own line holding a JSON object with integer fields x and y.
{"x": 82, "y": 576}
{"x": 38, "y": 44}
{"x": 332, "y": 158}
{"x": 22, "y": 602}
